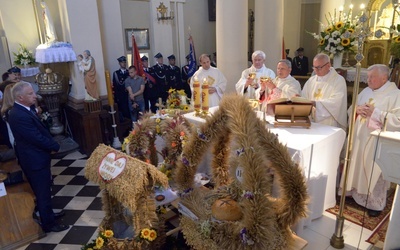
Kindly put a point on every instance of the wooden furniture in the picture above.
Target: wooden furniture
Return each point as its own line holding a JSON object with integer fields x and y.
{"x": 17, "y": 226}
{"x": 85, "y": 128}
{"x": 292, "y": 115}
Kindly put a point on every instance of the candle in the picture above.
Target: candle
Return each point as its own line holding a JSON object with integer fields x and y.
{"x": 109, "y": 89}
{"x": 196, "y": 94}
{"x": 204, "y": 96}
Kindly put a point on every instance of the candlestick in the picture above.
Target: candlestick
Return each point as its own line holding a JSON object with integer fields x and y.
{"x": 204, "y": 97}
{"x": 109, "y": 89}
{"x": 116, "y": 142}
{"x": 196, "y": 96}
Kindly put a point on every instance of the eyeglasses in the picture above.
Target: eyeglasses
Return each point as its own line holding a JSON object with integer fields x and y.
{"x": 319, "y": 67}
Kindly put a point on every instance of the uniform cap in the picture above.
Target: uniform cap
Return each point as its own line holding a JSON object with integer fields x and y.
{"x": 158, "y": 55}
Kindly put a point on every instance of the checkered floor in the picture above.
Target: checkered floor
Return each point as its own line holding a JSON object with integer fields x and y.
{"x": 81, "y": 201}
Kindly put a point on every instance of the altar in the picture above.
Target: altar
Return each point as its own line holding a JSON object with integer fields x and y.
{"x": 317, "y": 150}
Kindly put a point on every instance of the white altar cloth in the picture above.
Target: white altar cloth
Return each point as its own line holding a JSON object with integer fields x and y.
{"x": 318, "y": 150}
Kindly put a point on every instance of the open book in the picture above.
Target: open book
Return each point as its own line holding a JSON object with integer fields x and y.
{"x": 294, "y": 99}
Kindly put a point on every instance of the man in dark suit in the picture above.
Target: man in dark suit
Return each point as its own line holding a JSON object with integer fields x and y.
{"x": 300, "y": 63}
{"x": 120, "y": 93}
{"x": 174, "y": 74}
{"x": 34, "y": 145}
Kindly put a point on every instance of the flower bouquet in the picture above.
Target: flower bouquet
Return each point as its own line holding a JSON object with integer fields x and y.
{"x": 395, "y": 43}
{"x": 24, "y": 56}
{"x": 337, "y": 36}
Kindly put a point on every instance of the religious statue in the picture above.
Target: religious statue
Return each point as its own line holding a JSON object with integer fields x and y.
{"x": 50, "y": 33}
{"x": 89, "y": 67}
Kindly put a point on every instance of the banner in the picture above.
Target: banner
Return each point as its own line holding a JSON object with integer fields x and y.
{"x": 136, "y": 61}
{"x": 192, "y": 58}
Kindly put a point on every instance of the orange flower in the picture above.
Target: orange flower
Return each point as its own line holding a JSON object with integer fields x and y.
{"x": 173, "y": 144}
{"x": 182, "y": 133}
{"x": 133, "y": 132}
{"x": 108, "y": 233}
{"x": 152, "y": 235}
{"x": 147, "y": 160}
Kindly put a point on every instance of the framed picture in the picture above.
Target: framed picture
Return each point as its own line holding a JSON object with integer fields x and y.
{"x": 141, "y": 37}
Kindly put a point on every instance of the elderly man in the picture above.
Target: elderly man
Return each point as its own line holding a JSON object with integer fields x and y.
{"x": 215, "y": 78}
{"x": 376, "y": 105}
{"x": 248, "y": 82}
{"x": 328, "y": 91}
{"x": 283, "y": 86}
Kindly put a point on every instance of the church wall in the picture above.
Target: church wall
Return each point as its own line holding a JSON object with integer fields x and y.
{"x": 291, "y": 25}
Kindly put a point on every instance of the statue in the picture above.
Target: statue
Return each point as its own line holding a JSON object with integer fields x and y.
{"x": 89, "y": 67}
{"x": 50, "y": 32}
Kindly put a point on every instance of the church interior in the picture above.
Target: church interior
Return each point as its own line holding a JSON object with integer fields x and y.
{"x": 90, "y": 127}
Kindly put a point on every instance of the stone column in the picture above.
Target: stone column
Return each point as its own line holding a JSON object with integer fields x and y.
{"x": 232, "y": 39}
{"x": 268, "y": 30}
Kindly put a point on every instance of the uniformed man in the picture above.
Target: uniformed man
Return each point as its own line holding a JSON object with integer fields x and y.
{"x": 300, "y": 63}
{"x": 160, "y": 75}
{"x": 174, "y": 74}
{"x": 186, "y": 79}
{"x": 120, "y": 93}
{"x": 150, "y": 91}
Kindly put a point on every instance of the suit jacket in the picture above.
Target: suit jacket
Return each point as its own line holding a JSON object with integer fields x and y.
{"x": 33, "y": 141}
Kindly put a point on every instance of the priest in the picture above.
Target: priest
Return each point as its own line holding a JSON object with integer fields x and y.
{"x": 328, "y": 91}
{"x": 214, "y": 77}
{"x": 250, "y": 78}
{"x": 377, "y": 107}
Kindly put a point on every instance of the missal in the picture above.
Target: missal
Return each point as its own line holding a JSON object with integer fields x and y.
{"x": 293, "y": 112}
{"x": 294, "y": 99}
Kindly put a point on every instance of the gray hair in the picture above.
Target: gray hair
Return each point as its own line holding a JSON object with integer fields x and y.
{"x": 323, "y": 57}
{"x": 381, "y": 68}
{"x": 204, "y": 56}
{"x": 18, "y": 89}
{"x": 287, "y": 62}
{"x": 258, "y": 53}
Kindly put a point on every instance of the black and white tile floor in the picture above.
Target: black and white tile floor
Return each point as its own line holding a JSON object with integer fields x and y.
{"x": 81, "y": 201}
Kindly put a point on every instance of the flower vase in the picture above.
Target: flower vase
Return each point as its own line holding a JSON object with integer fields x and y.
{"x": 337, "y": 60}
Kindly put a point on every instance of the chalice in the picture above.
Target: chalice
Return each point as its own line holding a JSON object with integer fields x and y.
{"x": 252, "y": 76}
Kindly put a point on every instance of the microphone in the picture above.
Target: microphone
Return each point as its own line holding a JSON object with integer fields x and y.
{"x": 385, "y": 119}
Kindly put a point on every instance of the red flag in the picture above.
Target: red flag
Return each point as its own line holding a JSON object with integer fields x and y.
{"x": 283, "y": 48}
{"x": 136, "y": 61}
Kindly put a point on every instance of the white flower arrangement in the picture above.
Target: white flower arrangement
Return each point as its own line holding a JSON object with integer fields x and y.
{"x": 24, "y": 56}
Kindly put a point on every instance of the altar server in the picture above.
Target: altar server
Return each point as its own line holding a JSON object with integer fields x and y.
{"x": 328, "y": 91}
{"x": 377, "y": 105}
{"x": 215, "y": 78}
{"x": 247, "y": 85}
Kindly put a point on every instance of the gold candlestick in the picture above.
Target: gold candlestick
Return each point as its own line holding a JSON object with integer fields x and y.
{"x": 204, "y": 97}
{"x": 196, "y": 96}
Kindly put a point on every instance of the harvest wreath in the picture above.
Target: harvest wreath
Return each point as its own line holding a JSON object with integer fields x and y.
{"x": 128, "y": 199}
{"x": 140, "y": 143}
{"x": 239, "y": 213}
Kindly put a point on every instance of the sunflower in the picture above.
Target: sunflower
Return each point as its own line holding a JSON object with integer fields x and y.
{"x": 145, "y": 233}
{"x": 152, "y": 235}
{"x": 345, "y": 42}
{"x": 350, "y": 30}
{"x": 329, "y": 29}
{"x": 99, "y": 242}
{"x": 108, "y": 233}
{"x": 339, "y": 25}
{"x": 397, "y": 39}
{"x": 322, "y": 41}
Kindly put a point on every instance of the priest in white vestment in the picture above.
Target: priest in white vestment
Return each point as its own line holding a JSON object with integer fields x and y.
{"x": 328, "y": 91}
{"x": 248, "y": 84}
{"x": 283, "y": 86}
{"x": 216, "y": 80}
{"x": 376, "y": 105}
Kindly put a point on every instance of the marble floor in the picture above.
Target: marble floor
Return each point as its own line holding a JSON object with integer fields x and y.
{"x": 80, "y": 199}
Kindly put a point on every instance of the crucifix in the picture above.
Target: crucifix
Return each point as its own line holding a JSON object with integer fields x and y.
{"x": 160, "y": 105}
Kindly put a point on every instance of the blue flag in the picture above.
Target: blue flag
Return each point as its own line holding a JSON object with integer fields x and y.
{"x": 192, "y": 58}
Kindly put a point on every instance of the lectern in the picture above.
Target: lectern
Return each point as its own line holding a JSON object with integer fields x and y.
{"x": 388, "y": 158}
